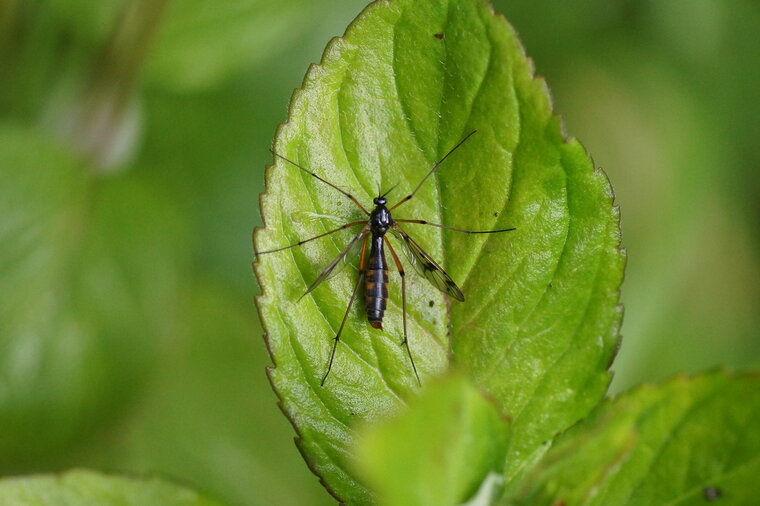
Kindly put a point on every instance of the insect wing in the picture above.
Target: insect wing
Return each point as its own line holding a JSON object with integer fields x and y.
{"x": 338, "y": 260}
{"x": 311, "y": 217}
{"x": 308, "y": 217}
{"x": 350, "y": 258}
{"x": 426, "y": 266}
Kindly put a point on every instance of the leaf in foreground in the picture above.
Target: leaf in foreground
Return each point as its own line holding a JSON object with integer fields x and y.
{"x": 539, "y": 326}
{"x": 85, "y": 488}
{"x": 440, "y": 451}
{"x": 686, "y": 442}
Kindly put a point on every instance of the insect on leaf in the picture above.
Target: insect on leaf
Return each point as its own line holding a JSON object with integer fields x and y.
{"x": 538, "y": 328}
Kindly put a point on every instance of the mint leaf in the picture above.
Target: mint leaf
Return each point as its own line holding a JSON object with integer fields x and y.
{"x": 685, "y": 442}
{"x": 440, "y": 451}
{"x": 539, "y": 326}
{"x": 85, "y": 488}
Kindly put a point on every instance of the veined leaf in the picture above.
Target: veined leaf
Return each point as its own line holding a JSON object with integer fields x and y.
{"x": 440, "y": 451}
{"x": 85, "y": 488}
{"x": 538, "y": 330}
{"x": 690, "y": 441}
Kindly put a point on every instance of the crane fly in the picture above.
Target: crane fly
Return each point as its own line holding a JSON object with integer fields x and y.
{"x": 372, "y": 240}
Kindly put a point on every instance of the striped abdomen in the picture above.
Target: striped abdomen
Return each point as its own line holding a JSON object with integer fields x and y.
{"x": 376, "y": 285}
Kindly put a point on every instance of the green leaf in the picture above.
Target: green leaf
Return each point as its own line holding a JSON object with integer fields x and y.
{"x": 539, "y": 326}
{"x": 440, "y": 451}
{"x": 201, "y": 44}
{"x": 88, "y": 279}
{"x": 83, "y": 488}
{"x": 684, "y": 442}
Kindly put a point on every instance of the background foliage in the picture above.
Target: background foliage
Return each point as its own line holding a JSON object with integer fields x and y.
{"x": 129, "y": 340}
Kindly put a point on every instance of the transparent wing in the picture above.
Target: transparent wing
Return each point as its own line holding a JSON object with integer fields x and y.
{"x": 425, "y": 265}
{"x": 350, "y": 258}
{"x": 338, "y": 260}
{"x": 312, "y": 217}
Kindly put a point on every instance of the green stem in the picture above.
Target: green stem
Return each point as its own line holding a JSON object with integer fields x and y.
{"x": 103, "y": 125}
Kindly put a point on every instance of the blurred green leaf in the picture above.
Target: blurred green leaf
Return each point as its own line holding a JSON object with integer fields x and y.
{"x": 440, "y": 451}
{"x": 88, "y": 276}
{"x": 539, "y": 327}
{"x": 43, "y": 200}
{"x": 200, "y": 150}
{"x": 90, "y": 22}
{"x": 679, "y": 443}
{"x": 83, "y": 488}
{"x": 48, "y": 46}
{"x": 203, "y": 43}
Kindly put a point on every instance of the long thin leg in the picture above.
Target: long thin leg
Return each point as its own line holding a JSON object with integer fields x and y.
{"x": 345, "y": 316}
{"x": 437, "y": 164}
{"x": 403, "y": 306}
{"x": 342, "y": 227}
{"x": 423, "y": 222}
{"x": 323, "y": 180}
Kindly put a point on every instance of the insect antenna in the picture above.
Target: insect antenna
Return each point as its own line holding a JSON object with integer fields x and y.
{"x": 353, "y": 199}
{"x": 437, "y": 164}
{"x": 423, "y": 222}
{"x": 389, "y": 190}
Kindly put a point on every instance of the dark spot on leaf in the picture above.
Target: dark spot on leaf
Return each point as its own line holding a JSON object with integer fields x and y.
{"x": 712, "y": 493}
{"x": 440, "y": 36}
{"x": 431, "y": 303}
{"x": 551, "y": 285}
{"x": 496, "y": 213}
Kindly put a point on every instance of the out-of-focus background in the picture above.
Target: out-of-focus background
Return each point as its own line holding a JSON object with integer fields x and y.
{"x": 133, "y": 138}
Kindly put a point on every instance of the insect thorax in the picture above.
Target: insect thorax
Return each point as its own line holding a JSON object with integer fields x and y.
{"x": 380, "y": 220}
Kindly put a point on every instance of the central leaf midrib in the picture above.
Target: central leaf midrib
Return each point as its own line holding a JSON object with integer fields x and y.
{"x": 314, "y": 199}
{"x": 465, "y": 130}
{"x": 489, "y": 237}
{"x": 341, "y": 88}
